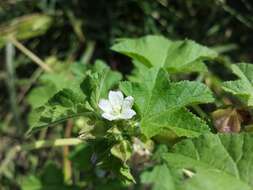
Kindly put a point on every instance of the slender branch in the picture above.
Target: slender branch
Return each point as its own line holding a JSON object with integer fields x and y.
{"x": 10, "y": 51}
{"x": 200, "y": 112}
{"x": 30, "y": 54}
{"x": 67, "y": 165}
{"x": 89, "y": 52}
{"x": 50, "y": 143}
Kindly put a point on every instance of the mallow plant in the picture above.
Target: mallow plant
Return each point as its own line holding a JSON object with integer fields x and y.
{"x": 171, "y": 124}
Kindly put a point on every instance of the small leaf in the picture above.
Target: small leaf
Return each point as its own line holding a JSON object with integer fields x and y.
{"x": 99, "y": 82}
{"x": 122, "y": 150}
{"x": 243, "y": 87}
{"x": 125, "y": 172}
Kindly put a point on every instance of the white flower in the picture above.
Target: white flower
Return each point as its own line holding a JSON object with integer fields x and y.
{"x": 117, "y": 107}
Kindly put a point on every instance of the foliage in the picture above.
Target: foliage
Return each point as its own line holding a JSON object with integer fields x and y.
{"x": 216, "y": 161}
{"x": 193, "y": 106}
{"x": 243, "y": 87}
{"x": 165, "y": 114}
{"x": 174, "y": 56}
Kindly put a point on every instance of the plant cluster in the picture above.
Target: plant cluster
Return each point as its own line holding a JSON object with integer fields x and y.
{"x": 151, "y": 129}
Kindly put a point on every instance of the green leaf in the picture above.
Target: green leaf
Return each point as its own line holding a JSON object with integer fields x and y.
{"x": 214, "y": 162}
{"x": 173, "y": 123}
{"x": 31, "y": 183}
{"x": 25, "y": 27}
{"x": 125, "y": 173}
{"x": 64, "y": 98}
{"x": 62, "y": 106}
{"x": 243, "y": 87}
{"x": 159, "y": 178}
{"x": 99, "y": 82}
{"x": 51, "y": 83}
{"x": 109, "y": 162}
{"x": 161, "y": 103}
{"x": 174, "y": 56}
{"x": 122, "y": 150}
{"x": 137, "y": 72}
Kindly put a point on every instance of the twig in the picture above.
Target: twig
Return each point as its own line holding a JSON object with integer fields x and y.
{"x": 76, "y": 24}
{"x": 89, "y": 52}
{"x": 50, "y": 143}
{"x": 11, "y": 82}
{"x": 66, "y": 162}
{"x": 30, "y": 54}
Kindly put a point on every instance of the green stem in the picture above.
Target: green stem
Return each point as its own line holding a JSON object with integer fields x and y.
{"x": 51, "y": 143}
{"x": 200, "y": 112}
{"x": 89, "y": 52}
{"x": 10, "y": 52}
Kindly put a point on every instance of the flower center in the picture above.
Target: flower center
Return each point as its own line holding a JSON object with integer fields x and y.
{"x": 116, "y": 110}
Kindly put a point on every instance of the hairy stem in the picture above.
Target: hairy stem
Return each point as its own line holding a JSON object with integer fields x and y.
{"x": 30, "y": 54}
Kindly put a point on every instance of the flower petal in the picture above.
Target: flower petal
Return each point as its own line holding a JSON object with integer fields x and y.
{"x": 127, "y": 114}
{"x": 116, "y": 99}
{"x": 109, "y": 116}
{"x": 105, "y": 105}
{"x": 127, "y": 103}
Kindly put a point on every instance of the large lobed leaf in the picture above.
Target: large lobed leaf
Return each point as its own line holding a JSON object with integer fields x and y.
{"x": 174, "y": 56}
{"x": 161, "y": 103}
{"x": 212, "y": 161}
{"x": 243, "y": 87}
